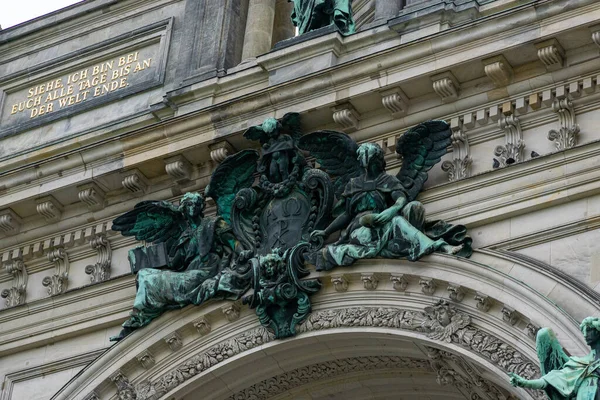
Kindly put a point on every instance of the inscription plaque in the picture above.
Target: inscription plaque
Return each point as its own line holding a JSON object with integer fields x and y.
{"x": 117, "y": 68}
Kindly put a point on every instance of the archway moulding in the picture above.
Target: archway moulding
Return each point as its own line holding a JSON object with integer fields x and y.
{"x": 486, "y": 295}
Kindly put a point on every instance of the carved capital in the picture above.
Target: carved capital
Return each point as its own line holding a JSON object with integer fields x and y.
{"x": 456, "y": 292}
{"x": 340, "y": 283}
{"x": 10, "y": 222}
{"x": 100, "y": 271}
{"x": 15, "y": 295}
{"x": 510, "y": 315}
{"x": 231, "y": 311}
{"x": 428, "y": 285}
{"x": 202, "y": 326}
{"x": 135, "y": 182}
{"x": 49, "y": 208}
{"x": 178, "y": 168}
{"x": 399, "y": 282}
{"x": 92, "y": 196}
{"x": 446, "y": 86}
{"x": 551, "y": 54}
{"x": 220, "y": 151}
{"x": 346, "y": 116}
{"x": 498, "y": 70}
{"x": 370, "y": 281}
{"x": 57, "y": 283}
{"x": 395, "y": 101}
{"x": 174, "y": 341}
{"x": 146, "y": 359}
{"x": 484, "y": 302}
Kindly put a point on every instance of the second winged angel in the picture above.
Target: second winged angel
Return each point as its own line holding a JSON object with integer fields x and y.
{"x": 378, "y": 211}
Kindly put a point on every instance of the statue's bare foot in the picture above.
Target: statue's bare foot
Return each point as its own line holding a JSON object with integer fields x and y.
{"x": 448, "y": 249}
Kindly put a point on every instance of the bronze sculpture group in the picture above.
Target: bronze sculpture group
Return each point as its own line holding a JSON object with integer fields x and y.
{"x": 263, "y": 234}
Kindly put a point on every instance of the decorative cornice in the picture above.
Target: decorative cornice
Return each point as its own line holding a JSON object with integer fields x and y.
{"x": 15, "y": 295}
{"x": 220, "y": 150}
{"x": 100, "y": 271}
{"x": 498, "y": 70}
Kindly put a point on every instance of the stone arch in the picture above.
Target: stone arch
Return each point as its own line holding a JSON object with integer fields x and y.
{"x": 494, "y": 317}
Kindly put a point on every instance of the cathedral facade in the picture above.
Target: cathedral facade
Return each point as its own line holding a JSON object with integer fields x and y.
{"x": 108, "y": 103}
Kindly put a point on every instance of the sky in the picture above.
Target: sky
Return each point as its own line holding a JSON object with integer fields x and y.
{"x": 13, "y": 12}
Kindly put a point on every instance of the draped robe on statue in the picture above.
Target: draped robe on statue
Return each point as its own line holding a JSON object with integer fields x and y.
{"x": 309, "y": 15}
{"x": 407, "y": 235}
{"x": 577, "y": 380}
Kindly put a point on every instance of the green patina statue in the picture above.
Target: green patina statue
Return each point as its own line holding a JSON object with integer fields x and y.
{"x": 376, "y": 210}
{"x": 309, "y": 15}
{"x": 263, "y": 234}
{"x": 565, "y": 377}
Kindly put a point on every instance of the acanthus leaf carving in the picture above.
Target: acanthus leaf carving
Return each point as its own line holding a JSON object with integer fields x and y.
{"x": 57, "y": 283}
{"x": 100, "y": 271}
{"x": 460, "y": 165}
{"x": 566, "y": 136}
{"x": 15, "y": 295}
{"x": 512, "y": 151}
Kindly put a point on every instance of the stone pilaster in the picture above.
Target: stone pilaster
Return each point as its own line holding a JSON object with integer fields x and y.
{"x": 387, "y": 9}
{"x": 259, "y": 28}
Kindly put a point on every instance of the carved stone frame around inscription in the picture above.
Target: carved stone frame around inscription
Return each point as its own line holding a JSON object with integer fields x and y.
{"x": 155, "y": 34}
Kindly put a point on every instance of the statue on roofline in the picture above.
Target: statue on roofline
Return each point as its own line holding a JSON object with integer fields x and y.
{"x": 309, "y": 15}
{"x": 264, "y": 233}
{"x": 565, "y": 377}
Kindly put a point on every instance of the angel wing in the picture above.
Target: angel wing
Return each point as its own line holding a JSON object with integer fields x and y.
{"x": 549, "y": 351}
{"x": 152, "y": 221}
{"x": 421, "y": 148}
{"x": 291, "y": 125}
{"x": 551, "y": 356}
{"x": 236, "y": 172}
{"x": 336, "y": 152}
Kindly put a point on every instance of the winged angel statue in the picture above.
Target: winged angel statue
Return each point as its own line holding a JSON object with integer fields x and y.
{"x": 263, "y": 233}
{"x": 565, "y": 377}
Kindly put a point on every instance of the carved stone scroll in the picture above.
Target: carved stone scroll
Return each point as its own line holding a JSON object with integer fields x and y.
{"x": 395, "y": 101}
{"x": 15, "y": 295}
{"x": 178, "y": 168}
{"x": 551, "y": 54}
{"x": 49, "y": 208}
{"x": 446, "y": 86}
{"x": 498, "y": 70}
{"x": 125, "y": 389}
{"x": 219, "y": 151}
{"x": 346, "y": 116}
{"x": 92, "y": 196}
{"x": 512, "y": 151}
{"x": 566, "y": 136}
{"x": 135, "y": 182}
{"x": 460, "y": 166}
{"x": 10, "y": 222}
{"x": 57, "y": 283}
{"x": 100, "y": 271}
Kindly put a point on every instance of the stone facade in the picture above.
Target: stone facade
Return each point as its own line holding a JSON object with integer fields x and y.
{"x": 108, "y": 103}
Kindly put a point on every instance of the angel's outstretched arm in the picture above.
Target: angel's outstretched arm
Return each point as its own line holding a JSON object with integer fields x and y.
{"x": 537, "y": 384}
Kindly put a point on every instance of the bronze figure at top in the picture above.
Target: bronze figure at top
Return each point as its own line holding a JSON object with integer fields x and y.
{"x": 309, "y": 15}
